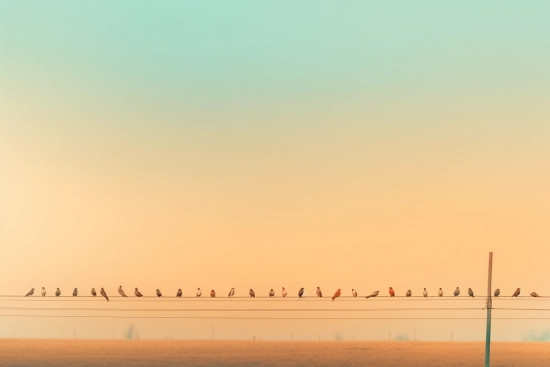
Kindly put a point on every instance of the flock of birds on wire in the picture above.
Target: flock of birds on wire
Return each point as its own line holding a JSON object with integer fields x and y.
{"x": 284, "y": 293}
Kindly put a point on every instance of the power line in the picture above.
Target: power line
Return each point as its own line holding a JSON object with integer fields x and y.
{"x": 243, "y": 309}
{"x": 275, "y": 318}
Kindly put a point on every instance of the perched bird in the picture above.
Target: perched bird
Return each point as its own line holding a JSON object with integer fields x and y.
{"x": 373, "y": 294}
{"x": 319, "y": 293}
{"x": 534, "y": 294}
{"x": 354, "y": 292}
{"x": 471, "y": 292}
{"x": 516, "y": 293}
{"x": 43, "y": 292}
{"x": 158, "y": 293}
{"x": 138, "y": 293}
{"x": 440, "y": 292}
{"x": 30, "y": 293}
{"x": 179, "y": 293}
{"x": 283, "y": 292}
{"x": 212, "y": 293}
{"x": 497, "y": 292}
{"x": 392, "y": 293}
{"x": 121, "y": 292}
{"x": 199, "y": 292}
{"x": 271, "y": 293}
{"x": 102, "y": 292}
{"x": 75, "y": 292}
{"x": 337, "y": 294}
{"x": 231, "y": 292}
{"x": 425, "y": 293}
{"x": 409, "y": 293}
{"x": 57, "y": 292}
{"x": 252, "y": 294}
{"x": 301, "y": 292}
{"x": 93, "y": 292}
{"x": 457, "y": 291}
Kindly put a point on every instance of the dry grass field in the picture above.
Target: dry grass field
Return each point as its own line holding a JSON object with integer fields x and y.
{"x": 91, "y": 353}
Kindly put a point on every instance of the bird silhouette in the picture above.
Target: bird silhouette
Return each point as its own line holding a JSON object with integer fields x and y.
{"x": 471, "y": 292}
{"x": 409, "y": 293}
{"x": 516, "y": 293}
{"x": 319, "y": 293}
{"x": 440, "y": 292}
{"x": 43, "y": 292}
{"x": 75, "y": 292}
{"x": 497, "y": 292}
{"x": 158, "y": 293}
{"x": 354, "y": 292}
{"x": 337, "y": 294}
{"x": 30, "y": 293}
{"x": 457, "y": 292}
{"x": 301, "y": 292}
{"x": 231, "y": 292}
{"x": 534, "y": 294}
{"x": 93, "y": 292}
{"x": 425, "y": 293}
{"x": 392, "y": 292}
{"x": 283, "y": 292}
{"x": 272, "y": 293}
{"x": 199, "y": 292}
{"x": 102, "y": 292}
{"x": 373, "y": 294}
{"x": 121, "y": 292}
{"x": 179, "y": 293}
{"x": 57, "y": 292}
{"x": 251, "y": 293}
{"x": 137, "y": 293}
{"x": 212, "y": 293}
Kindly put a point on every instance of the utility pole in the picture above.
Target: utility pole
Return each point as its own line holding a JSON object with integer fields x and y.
{"x": 489, "y": 308}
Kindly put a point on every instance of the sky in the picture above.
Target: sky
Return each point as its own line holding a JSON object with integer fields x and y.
{"x": 278, "y": 144}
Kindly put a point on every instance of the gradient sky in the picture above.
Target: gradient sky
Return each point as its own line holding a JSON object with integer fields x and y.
{"x": 257, "y": 145}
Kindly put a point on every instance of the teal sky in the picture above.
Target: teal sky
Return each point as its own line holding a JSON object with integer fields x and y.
{"x": 301, "y": 132}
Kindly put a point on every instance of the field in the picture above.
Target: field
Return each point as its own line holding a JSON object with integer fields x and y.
{"x": 34, "y": 352}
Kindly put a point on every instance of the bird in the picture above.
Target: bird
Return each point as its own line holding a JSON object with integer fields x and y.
{"x": 199, "y": 292}
{"x": 440, "y": 292}
{"x": 30, "y": 293}
{"x": 57, "y": 292}
{"x": 231, "y": 292}
{"x": 301, "y": 292}
{"x": 43, "y": 292}
{"x": 212, "y": 293}
{"x": 319, "y": 293}
{"x": 158, "y": 293}
{"x": 121, "y": 292}
{"x": 75, "y": 292}
{"x": 409, "y": 293}
{"x": 392, "y": 292}
{"x": 353, "y": 292}
{"x": 272, "y": 293}
{"x": 93, "y": 292}
{"x": 373, "y": 294}
{"x": 138, "y": 293}
{"x": 471, "y": 292}
{"x": 516, "y": 293}
{"x": 425, "y": 293}
{"x": 534, "y": 294}
{"x": 457, "y": 292}
{"x": 337, "y": 294}
{"x": 283, "y": 292}
{"x": 497, "y": 292}
{"x": 102, "y": 292}
{"x": 252, "y": 294}
{"x": 179, "y": 293}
